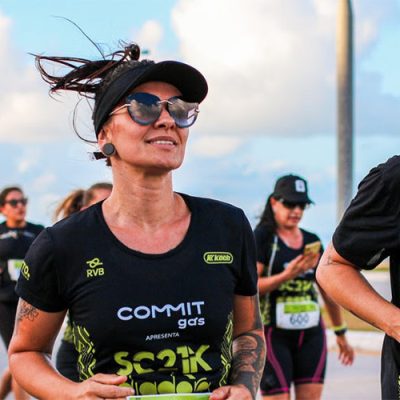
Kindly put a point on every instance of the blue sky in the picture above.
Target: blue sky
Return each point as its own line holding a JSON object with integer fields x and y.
{"x": 270, "y": 110}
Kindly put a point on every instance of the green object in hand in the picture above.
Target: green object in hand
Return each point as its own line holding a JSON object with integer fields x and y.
{"x": 172, "y": 396}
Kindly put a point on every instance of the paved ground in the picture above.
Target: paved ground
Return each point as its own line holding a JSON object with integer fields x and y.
{"x": 361, "y": 381}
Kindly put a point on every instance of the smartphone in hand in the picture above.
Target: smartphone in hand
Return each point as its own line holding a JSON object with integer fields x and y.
{"x": 312, "y": 248}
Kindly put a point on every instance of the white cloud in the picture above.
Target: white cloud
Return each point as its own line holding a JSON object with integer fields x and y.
{"x": 27, "y": 113}
{"x": 215, "y": 146}
{"x": 150, "y": 36}
{"x": 29, "y": 159}
{"x": 43, "y": 182}
{"x": 270, "y": 66}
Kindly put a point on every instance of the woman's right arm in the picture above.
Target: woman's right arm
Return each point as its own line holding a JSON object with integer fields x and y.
{"x": 29, "y": 358}
{"x": 294, "y": 268}
{"x": 269, "y": 283}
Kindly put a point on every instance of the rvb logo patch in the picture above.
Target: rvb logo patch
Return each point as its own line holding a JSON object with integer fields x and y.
{"x": 300, "y": 185}
{"x": 94, "y": 268}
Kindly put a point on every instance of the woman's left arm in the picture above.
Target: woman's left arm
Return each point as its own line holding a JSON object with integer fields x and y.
{"x": 248, "y": 352}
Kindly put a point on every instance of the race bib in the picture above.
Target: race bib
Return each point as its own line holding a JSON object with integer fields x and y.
{"x": 297, "y": 315}
{"x": 14, "y": 268}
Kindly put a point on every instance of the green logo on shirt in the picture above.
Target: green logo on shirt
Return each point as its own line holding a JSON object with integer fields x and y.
{"x": 218, "y": 257}
{"x": 25, "y": 271}
{"x": 94, "y": 268}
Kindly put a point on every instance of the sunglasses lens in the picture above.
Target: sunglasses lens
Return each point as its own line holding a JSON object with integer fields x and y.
{"x": 182, "y": 112}
{"x": 292, "y": 206}
{"x": 144, "y": 108}
{"x": 14, "y": 202}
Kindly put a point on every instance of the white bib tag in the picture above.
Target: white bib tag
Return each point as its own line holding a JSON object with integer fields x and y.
{"x": 297, "y": 315}
{"x": 14, "y": 268}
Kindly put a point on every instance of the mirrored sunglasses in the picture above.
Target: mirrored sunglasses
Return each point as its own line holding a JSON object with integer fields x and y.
{"x": 14, "y": 202}
{"x": 292, "y": 205}
{"x": 145, "y": 108}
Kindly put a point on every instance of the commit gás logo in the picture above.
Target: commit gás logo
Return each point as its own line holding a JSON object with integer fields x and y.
{"x": 218, "y": 257}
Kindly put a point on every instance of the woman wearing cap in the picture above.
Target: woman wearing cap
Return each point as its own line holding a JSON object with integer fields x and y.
{"x": 161, "y": 286}
{"x": 16, "y": 235}
{"x": 286, "y": 259}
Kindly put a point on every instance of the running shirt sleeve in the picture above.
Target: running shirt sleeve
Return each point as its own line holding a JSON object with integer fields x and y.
{"x": 38, "y": 282}
{"x": 369, "y": 229}
{"x": 247, "y": 282}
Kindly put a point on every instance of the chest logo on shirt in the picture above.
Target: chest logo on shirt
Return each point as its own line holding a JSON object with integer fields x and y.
{"x": 218, "y": 257}
{"x": 94, "y": 268}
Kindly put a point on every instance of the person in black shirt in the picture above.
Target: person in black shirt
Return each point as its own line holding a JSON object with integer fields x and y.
{"x": 77, "y": 200}
{"x": 286, "y": 259}
{"x": 16, "y": 235}
{"x": 161, "y": 286}
{"x": 367, "y": 234}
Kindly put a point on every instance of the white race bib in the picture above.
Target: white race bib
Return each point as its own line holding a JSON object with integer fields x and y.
{"x": 14, "y": 268}
{"x": 297, "y": 315}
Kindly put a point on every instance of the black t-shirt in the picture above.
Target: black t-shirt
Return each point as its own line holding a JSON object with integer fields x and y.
{"x": 297, "y": 296}
{"x": 370, "y": 228}
{"x": 14, "y": 243}
{"x": 163, "y": 320}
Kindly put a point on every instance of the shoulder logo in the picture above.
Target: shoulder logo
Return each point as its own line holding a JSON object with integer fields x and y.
{"x": 25, "y": 271}
{"x": 94, "y": 268}
{"x": 218, "y": 257}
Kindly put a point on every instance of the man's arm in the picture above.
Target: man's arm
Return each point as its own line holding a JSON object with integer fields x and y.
{"x": 345, "y": 284}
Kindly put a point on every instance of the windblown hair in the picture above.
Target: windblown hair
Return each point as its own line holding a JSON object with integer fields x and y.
{"x": 87, "y": 77}
{"x": 70, "y": 205}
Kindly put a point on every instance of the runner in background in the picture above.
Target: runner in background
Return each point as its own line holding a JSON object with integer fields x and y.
{"x": 16, "y": 235}
{"x": 286, "y": 259}
{"x": 67, "y": 355}
{"x": 161, "y": 286}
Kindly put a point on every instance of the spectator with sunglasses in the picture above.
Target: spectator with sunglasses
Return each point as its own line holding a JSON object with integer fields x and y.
{"x": 161, "y": 286}
{"x": 294, "y": 329}
{"x": 16, "y": 235}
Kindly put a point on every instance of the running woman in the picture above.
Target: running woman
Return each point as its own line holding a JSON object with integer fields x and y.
{"x": 367, "y": 234}
{"x": 16, "y": 235}
{"x": 286, "y": 259}
{"x": 161, "y": 286}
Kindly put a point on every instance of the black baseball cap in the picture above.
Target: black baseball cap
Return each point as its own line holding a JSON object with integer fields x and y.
{"x": 190, "y": 82}
{"x": 292, "y": 188}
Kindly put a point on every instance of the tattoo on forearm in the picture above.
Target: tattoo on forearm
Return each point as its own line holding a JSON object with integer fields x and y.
{"x": 27, "y": 311}
{"x": 329, "y": 258}
{"x": 248, "y": 360}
